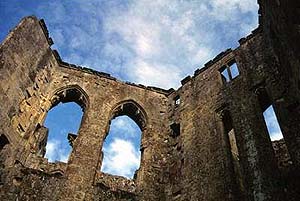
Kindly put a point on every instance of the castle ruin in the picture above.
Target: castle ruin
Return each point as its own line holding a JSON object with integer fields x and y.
{"x": 206, "y": 141}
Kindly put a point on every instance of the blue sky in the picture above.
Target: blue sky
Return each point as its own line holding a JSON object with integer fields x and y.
{"x": 143, "y": 41}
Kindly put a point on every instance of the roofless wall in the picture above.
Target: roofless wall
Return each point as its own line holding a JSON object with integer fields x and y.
{"x": 205, "y": 141}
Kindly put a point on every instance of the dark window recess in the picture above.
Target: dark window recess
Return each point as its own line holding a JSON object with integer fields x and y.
{"x": 229, "y": 130}
{"x": 177, "y": 100}
{"x": 71, "y": 138}
{"x": 230, "y": 71}
{"x": 175, "y": 129}
{"x": 263, "y": 98}
{"x": 21, "y": 129}
{"x": 3, "y": 141}
{"x": 27, "y": 94}
{"x": 4, "y": 148}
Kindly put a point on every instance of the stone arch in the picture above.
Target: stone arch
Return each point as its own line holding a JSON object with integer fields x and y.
{"x": 70, "y": 93}
{"x": 135, "y": 112}
{"x": 65, "y": 94}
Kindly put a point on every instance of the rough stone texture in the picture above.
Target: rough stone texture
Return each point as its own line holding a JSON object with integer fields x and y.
{"x": 205, "y": 141}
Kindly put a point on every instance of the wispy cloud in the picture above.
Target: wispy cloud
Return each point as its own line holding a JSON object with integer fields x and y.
{"x": 125, "y": 127}
{"x": 149, "y": 42}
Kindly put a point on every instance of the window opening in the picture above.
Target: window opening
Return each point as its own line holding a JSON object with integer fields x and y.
{"x": 273, "y": 129}
{"x": 225, "y": 75}
{"x": 63, "y": 122}
{"x": 234, "y": 70}
{"x": 272, "y": 124}
{"x": 280, "y": 149}
{"x": 177, "y": 100}
{"x": 121, "y": 148}
{"x": 229, "y": 72}
{"x": 229, "y": 130}
{"x": 4, "y": 153}
{"x": 3, "y": 142}
{"x": 175, "y": 130}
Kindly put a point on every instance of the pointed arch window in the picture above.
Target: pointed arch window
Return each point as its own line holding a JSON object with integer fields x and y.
{"x": 122, "y": 151}
{"x": 63, "y": 121}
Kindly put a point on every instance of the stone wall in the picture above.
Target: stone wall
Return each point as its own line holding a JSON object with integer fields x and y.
{"x": 205, "y": 141}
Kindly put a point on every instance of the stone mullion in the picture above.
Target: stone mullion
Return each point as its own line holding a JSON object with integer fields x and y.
{"x": 230, "y": 184}
{"x": 289, "y": 121}
{"x": 257, "y": 156}
{"x": 85, "y": 157}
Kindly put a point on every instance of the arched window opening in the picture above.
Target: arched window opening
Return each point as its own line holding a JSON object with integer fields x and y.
{"x": 63, "y": 122}
{"x": 121, "y": 148}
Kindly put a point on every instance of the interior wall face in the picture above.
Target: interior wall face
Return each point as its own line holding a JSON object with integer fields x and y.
{"x": 205, "y": 141}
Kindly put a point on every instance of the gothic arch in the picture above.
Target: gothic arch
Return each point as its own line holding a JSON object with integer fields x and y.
{"x": 70, "y": 93}
{"x": 65, "y": 94}
{"x": 133, "y": 110}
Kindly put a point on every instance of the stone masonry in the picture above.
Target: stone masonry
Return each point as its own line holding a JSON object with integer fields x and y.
{"x": 206, "y": 141}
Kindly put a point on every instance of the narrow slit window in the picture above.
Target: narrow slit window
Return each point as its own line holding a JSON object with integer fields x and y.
{"x": 3, "y": 141}
{"x": 272, "y": 124}
{"x": 278, "y": 143}
{"x": 229, "y": 130}
{"x": 175, "y": 130}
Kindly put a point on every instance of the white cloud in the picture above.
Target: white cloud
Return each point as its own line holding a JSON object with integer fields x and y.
{"x": 136, "y": 39}
{"x": 125, "y": 127}
{"x": 171, "y": 38}
{"x": 56, "y": 152}
{"x": 155, "y": 74}
{"x": 120, "y": 158}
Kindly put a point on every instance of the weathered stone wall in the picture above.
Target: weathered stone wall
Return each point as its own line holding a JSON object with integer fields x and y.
{"x": 205, "y": 150}
{"x": 102, "y": 98}
{"x": 280, "y": 22}
{"x": 205, "y": 141}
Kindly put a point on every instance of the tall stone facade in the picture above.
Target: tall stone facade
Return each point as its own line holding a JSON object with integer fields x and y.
{"x": 205, "y": 141}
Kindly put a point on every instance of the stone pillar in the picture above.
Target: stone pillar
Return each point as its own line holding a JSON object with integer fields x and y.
{"x": 233, "y": 191}
{"x": 288, "y": 115}
{"x": 85, "y": 156}
{"x": 256, "y": 152}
